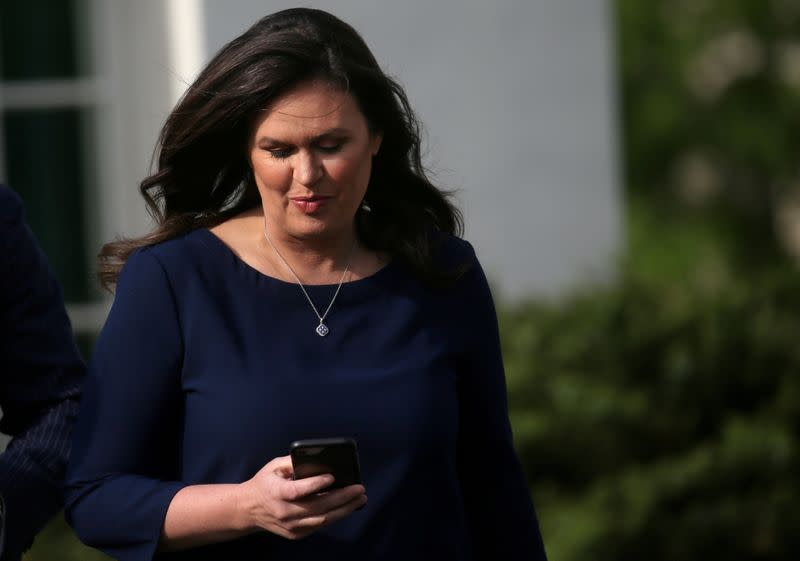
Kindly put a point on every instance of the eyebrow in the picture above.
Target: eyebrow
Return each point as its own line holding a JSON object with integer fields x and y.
{"x": 338, "y": 131}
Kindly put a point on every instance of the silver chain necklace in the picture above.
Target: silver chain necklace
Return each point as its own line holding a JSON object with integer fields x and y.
{"x": 322, "y": 329}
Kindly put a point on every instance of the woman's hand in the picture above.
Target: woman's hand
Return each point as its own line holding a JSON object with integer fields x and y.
{"x": 272, "y": 501}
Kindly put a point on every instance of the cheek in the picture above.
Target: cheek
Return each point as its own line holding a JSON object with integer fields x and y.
{"x": 272, "y": 176}
{"x": 351, "y": 175}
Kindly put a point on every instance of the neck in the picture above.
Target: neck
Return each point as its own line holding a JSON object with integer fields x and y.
{"x": 313, "y": 261}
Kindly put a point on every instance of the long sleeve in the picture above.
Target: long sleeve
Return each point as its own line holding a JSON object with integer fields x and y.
{"x": 500, "y": 513}
{"x": 40, "y": 376}
{"x": 124, "y": 466}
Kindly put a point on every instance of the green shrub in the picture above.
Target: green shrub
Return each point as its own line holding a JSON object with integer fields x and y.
{"x": 657, "y": 418}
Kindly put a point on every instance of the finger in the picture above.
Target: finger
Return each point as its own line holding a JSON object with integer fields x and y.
{"x": 300, "y": 488}
{"x": 292, "y": 532}
{"x": 281, "y": 466}
{"x": 336, "y": 498}
{"x": 316, "y": 505}
{"x": 319, "y": 520}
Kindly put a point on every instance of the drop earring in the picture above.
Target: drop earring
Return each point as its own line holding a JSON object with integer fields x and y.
{"x": 365, "y": 207}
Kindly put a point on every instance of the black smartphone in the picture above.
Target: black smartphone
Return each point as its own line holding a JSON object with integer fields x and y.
{"x": 337, "y": 456}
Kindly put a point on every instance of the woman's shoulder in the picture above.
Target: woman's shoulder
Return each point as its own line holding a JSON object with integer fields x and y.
{"x": 452, "y": 253}
{"x": 184, "y": 249}
{"x": 450, "y": 245}
{"x": 173, "y": 258}
{"x": 202, "y": 253}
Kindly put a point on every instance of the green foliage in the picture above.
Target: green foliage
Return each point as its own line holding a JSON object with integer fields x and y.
{"x": 711, "y": 112}
{"x": 657, "y": 419}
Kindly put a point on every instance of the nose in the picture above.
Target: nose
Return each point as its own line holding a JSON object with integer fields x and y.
{"x": 307, "y": 167}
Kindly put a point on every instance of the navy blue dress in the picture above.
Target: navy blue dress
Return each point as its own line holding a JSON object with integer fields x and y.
{"x": 207, "y": 369}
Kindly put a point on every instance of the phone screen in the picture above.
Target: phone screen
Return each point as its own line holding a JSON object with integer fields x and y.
{"x": 337, "y": 456}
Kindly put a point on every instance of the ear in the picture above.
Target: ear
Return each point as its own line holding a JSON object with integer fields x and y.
{"x": 375, "y": 143}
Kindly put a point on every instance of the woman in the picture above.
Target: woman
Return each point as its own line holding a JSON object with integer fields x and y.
{"x": 304, "y": 281}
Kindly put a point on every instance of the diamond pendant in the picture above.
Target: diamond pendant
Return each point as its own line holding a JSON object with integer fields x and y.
{"x": 322, "y": 329}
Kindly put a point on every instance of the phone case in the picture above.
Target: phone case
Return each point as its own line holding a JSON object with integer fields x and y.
{"x": 337, "y": 456}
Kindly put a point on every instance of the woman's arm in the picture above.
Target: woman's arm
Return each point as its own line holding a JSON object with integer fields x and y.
{"x": 500, "y": 512}
{"x": 124, "y": 467}
{"x": 271, "y": 501}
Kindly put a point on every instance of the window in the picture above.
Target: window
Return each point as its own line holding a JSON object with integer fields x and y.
{"x": 51, "y": 101}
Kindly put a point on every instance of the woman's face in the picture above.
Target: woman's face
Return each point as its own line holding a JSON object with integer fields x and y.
{"x": 311, "y": 155}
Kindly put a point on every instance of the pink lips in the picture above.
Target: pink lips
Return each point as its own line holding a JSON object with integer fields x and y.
{"x": 309, "y": 205}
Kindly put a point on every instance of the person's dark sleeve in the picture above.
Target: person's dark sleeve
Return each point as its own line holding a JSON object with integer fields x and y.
{"x": 500, "y": 513}
{"x": 123, "y": 473}
{"x": 40, "y": 376}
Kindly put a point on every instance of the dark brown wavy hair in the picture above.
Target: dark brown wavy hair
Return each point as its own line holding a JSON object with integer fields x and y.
{"x": 203, "y": 176}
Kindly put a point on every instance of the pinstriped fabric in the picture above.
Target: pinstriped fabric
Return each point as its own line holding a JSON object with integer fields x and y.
{"x": 2, "y": 525}
{"x": 40, "y": 376}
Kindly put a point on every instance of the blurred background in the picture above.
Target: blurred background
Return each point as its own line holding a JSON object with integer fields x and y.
{"x": 629, "y": 174}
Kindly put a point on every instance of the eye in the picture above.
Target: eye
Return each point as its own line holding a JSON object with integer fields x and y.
{"x": 329, "y": 148}
{"x": 279, "y": 153}
{"x": 331, "y": 144}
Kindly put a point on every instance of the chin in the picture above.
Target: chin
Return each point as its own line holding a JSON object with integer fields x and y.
{"x": 313, "y": 229}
